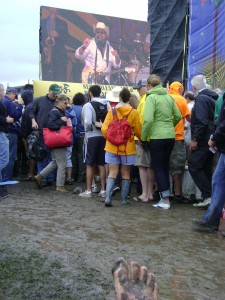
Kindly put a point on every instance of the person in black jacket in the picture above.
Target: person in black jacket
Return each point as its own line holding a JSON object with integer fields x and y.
{"x": 26, "y": 129}
{"x": 202, "y": 126}
{"x": 211, "y": 220}
{"x": 56, "y": 120}
{"x": 14, "y": 110}
{"x": 4, "y": 142}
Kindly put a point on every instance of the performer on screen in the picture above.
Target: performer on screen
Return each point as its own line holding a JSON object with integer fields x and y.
{"x": 99, "y": 56}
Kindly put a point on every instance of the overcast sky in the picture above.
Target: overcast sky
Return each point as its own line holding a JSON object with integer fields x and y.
{"x": 19, "y": 31}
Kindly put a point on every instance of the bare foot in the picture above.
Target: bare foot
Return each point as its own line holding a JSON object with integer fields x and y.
{"x": 138, "y": 285}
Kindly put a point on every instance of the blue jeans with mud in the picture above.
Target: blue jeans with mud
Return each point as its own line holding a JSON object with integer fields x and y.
{"x": 213, "y": 214}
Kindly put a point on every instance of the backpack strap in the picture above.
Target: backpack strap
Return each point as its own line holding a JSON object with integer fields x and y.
{"x": 128, "y": 114}
{"x": 115, "y": 117}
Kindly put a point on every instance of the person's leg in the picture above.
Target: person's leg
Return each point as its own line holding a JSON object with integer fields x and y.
{"x": 113, "y": 172}
{"x": 7, "y": 172}
{"x": 160, "y": 154}
{"x": 151, "y": 182}
{"x": 4, "y": 159}
{"x": 44, "y": 172}
{"x": 100, "y": 162}
{"x": 102, "y": 175}
{"x": 93, "y": 155}
{"x": 41, "y": 165}
{"x": 89, "y": 176}
{"x": 133, "y": 283}
{"x": 196, "y": 163}
{"x": 143, "y": 172}
{"x": 81, "y": 164}
{"x": 89, "y": 152}
{"x": 168, "y": 148}
{"x": 125, "y": 185}
{"x": 177, "y": 185}
{"x": 75, "y": 159}
{"x": 32, "y": 168}
{"x": 60, "y": 158}
{"x": 4, "y": 152}
{"x": 68, "y": 165}
{"x": 177, "y": 165}
{"x": 211, "y": 219}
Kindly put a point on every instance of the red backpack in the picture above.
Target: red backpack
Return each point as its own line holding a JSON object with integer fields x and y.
{"x": 119, "y": 131}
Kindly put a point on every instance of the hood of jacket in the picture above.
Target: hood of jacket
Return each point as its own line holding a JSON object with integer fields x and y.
{"x": 70, "y": 113}
{"x": 157, "y": 90}
{"x": 27, "y": 96}
{"x": 175, "y": 88}
{"x": 123, "y": 109}
{"x": 209, "y": 93}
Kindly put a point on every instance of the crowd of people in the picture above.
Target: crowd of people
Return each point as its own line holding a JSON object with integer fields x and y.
{"x": 119, "y": 140}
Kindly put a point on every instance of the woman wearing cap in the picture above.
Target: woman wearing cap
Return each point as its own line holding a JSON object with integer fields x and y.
{"x": 98, "y": 55}
{"x": 160, "y": 116}
{"x": 122, "y": 156}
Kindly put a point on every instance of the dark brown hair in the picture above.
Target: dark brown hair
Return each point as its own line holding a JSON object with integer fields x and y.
{"x": 125, "y": 95}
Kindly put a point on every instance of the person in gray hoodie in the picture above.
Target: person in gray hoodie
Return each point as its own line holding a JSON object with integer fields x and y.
{"x": 93, "y": 115}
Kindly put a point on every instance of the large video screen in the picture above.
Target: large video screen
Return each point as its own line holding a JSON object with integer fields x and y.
{"x": 88, "y": 48}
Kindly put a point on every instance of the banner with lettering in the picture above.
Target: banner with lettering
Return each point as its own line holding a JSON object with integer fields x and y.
{"x": 41, "y": 88}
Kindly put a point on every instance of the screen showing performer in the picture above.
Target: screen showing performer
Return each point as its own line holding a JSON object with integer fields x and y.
{"x": 89, "y": 48}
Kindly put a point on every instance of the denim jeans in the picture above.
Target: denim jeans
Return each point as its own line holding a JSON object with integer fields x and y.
{"x": 4, "y": 152}
{"x": 213, "y": 213}
{"x": 160, "y": 151}
{"x": 43, "y": 163}
{"x": 7, "y": 172}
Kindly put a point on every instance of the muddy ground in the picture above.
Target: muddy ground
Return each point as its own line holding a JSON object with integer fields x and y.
{"x": 56, "y": 246}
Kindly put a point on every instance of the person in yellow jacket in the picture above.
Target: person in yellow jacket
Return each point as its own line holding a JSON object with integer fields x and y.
{"x": 143, "y": 158}
{"x": 122, "y": 155}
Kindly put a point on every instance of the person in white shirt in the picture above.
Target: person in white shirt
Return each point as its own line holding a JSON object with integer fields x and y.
{"x": 99, "y": 56}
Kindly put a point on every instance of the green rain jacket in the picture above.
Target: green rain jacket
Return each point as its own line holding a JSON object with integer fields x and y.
{"x": 160, "y": 116}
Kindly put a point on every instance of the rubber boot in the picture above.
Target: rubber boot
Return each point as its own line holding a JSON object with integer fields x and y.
{"x": 125, "y": 188}
{"x": 109, "y": 190}
{"x": 38, "y": 180}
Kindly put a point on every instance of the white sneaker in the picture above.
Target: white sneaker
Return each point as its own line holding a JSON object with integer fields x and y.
{"x": 86, "y": 194}
{"x": 162, "y": 205}
{"x": 205, "y": 203}
{"x": 102, "y": 194}
{"x": 94, "y": 188}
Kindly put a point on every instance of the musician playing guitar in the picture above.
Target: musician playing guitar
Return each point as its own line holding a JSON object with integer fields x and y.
{"x": 98, "y": 55}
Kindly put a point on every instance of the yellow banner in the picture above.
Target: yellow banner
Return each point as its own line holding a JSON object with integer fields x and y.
{"x": 41, "y": 88}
